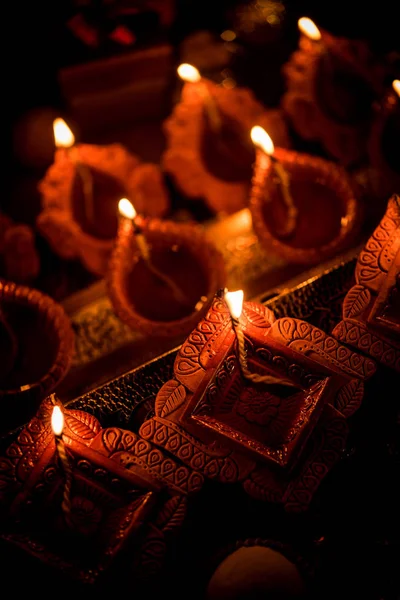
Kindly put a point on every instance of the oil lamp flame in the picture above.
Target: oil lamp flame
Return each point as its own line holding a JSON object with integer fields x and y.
{"x": 63, "y": 136}
{"x": 309, "y": 28}
{"x": 188, "y": 73}
{"x": 126, "y": 209}
{"x": 396, "y": 86}
{"x": 260, "y": 138}
{"x": 57, "y": 420}
{"x": 234, "y": 301}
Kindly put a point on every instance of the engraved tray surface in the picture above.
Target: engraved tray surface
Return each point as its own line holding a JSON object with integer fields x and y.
{"x": 348, "y": 540}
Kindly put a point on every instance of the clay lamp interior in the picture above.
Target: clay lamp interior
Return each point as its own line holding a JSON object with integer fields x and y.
{"x": 209, "y": 155}
{"x": 383, "y": 142}
{"x": 36, "y": 346}
{"x": 332, "y": 84}
{"x": 162, "y": 275}
{"x": 80, "y": 194}
{"x": 303, "y": 207}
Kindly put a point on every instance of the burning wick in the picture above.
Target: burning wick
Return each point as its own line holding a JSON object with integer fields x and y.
{"x": 234, "y": 301}
{"x": 309, "y": 29}
{"x": 396, "y": 86}
{"x": 190, "y": 74}
{"x": 57, "y": 424}
{"x": 127, "y": 210}
{"x": 64, "y": 138}
{"x": 262, "y": 140}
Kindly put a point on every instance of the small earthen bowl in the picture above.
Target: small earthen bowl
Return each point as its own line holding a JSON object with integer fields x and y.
{"x": 39, "y": 334}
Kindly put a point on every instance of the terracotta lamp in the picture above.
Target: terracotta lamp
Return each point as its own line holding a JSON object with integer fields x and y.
{"x": 208, "y": 153}
{"x": 163, "y": 275}
{"x": 80, "y": 194}
{"x": 331, "y": 86}
{"x": 382, "y": 144}
{"x": 303, "y": 207}
{"x": 259, "y": 401}
{"x": 76, "y": 496}
{"x": 36, "y": 346}
{"x": 19, "y": 258}
{"x": 371, "y": 309}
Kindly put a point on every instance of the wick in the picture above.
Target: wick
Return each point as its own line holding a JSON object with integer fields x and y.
{"x": 66, "y": 467}
{"x": 254, "y": 377}
{"x": 86, "y": 178}
{"x": 284, "y": 182}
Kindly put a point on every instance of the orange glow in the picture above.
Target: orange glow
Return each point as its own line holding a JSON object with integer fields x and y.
{"x": 260, "y": 138}
{"x": 188, "y": 73}
{"x": 309, "y": 28}
{"x": 57, "y": 420}
{"x": 396, "y": 86}
{"x": 234, "y": 301}
{"x": 63, "y": 136}
{"x": 126, "y": 209}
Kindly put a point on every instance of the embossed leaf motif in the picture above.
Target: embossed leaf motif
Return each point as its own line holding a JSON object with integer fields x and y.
{"x": 356, "y": 301}
{"x": 172, "y": 513}
{"x": 169, "y": 398}
{"x": 259, "y": 315}
{"x": 82, "y": 424}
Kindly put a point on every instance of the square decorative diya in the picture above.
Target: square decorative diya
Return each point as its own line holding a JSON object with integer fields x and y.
{"x": 371, "y": 308}
{"x": 279, "y": 441}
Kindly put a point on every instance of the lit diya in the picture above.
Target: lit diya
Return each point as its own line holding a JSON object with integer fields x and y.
{"x": 331, "y": 86}
{"x": 208, "y": 153}
{"x": 162, "y": 275}
{"x": 383, "y": 142}
{"x": 80, "y": 194}
{"x": 303, "y": 207}
{"x": 36, "y": 345}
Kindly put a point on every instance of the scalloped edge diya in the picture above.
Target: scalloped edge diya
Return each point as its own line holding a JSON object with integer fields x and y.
{"x": 345, "y": 141}
{"x": 121, "y": 486}
{"x": 317, "y": 170}
{"x": 368, "y": 325}
{"x": 56, "y": 221}
{"x": 126, "y": 253}
{"x": 19, "y": 404}
{"x": 233, "y": 430}
{"x": 182, "y": 158}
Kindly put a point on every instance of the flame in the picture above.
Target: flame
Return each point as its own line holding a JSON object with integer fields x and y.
{"x": 309, "y": 28}
{"x": 260, "y": 138}
{"x": 234, "y": 301}
{"x": 57, "y": 420}
{"x": 126, "y": 208}
{"x": 188, "y": 73}
{"x": 396, "y": 86}
{"x": 63, "y": 136}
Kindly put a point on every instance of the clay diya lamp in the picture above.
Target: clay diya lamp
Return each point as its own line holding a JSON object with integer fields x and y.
{"x": 331, "y": 86}
{"x": 317, "y": 219}
{"x": 162, "y": 275}
{"x": 36, "y": 349}
{"x": 74, "y": 494}
{"x": 371, "y": 308}
{"x": 18, "y": 254}
{"x": 383, "y": 142}
{"x": 259, "y": 400}
{"x": 80, "y": 193}
{"x": 208, "y": 154}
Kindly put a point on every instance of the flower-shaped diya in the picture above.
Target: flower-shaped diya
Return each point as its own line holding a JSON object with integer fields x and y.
{"x": 275, "y": 420}
{"x": 371, "y": 309}
{"x": 37, "y": 343}
{"x": 208, "y": 154}
{"x": 319, "y": 218}
{"x": 80, "y": 194}
{"x": 331, "y": 86}
{"x": 162, "y": 275}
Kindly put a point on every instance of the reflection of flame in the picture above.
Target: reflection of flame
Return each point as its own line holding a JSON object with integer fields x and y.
{"x": 188, "y": 73}
{"x": 63, "y": 136}
{"x": 57, "y": 420}
{"x": 126, "y": 208}
{"x": 260, "y": 138}
{"x": 309, "y": 28}
{"x": 396, "y": 86}
{"x": 234, "y": 301}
